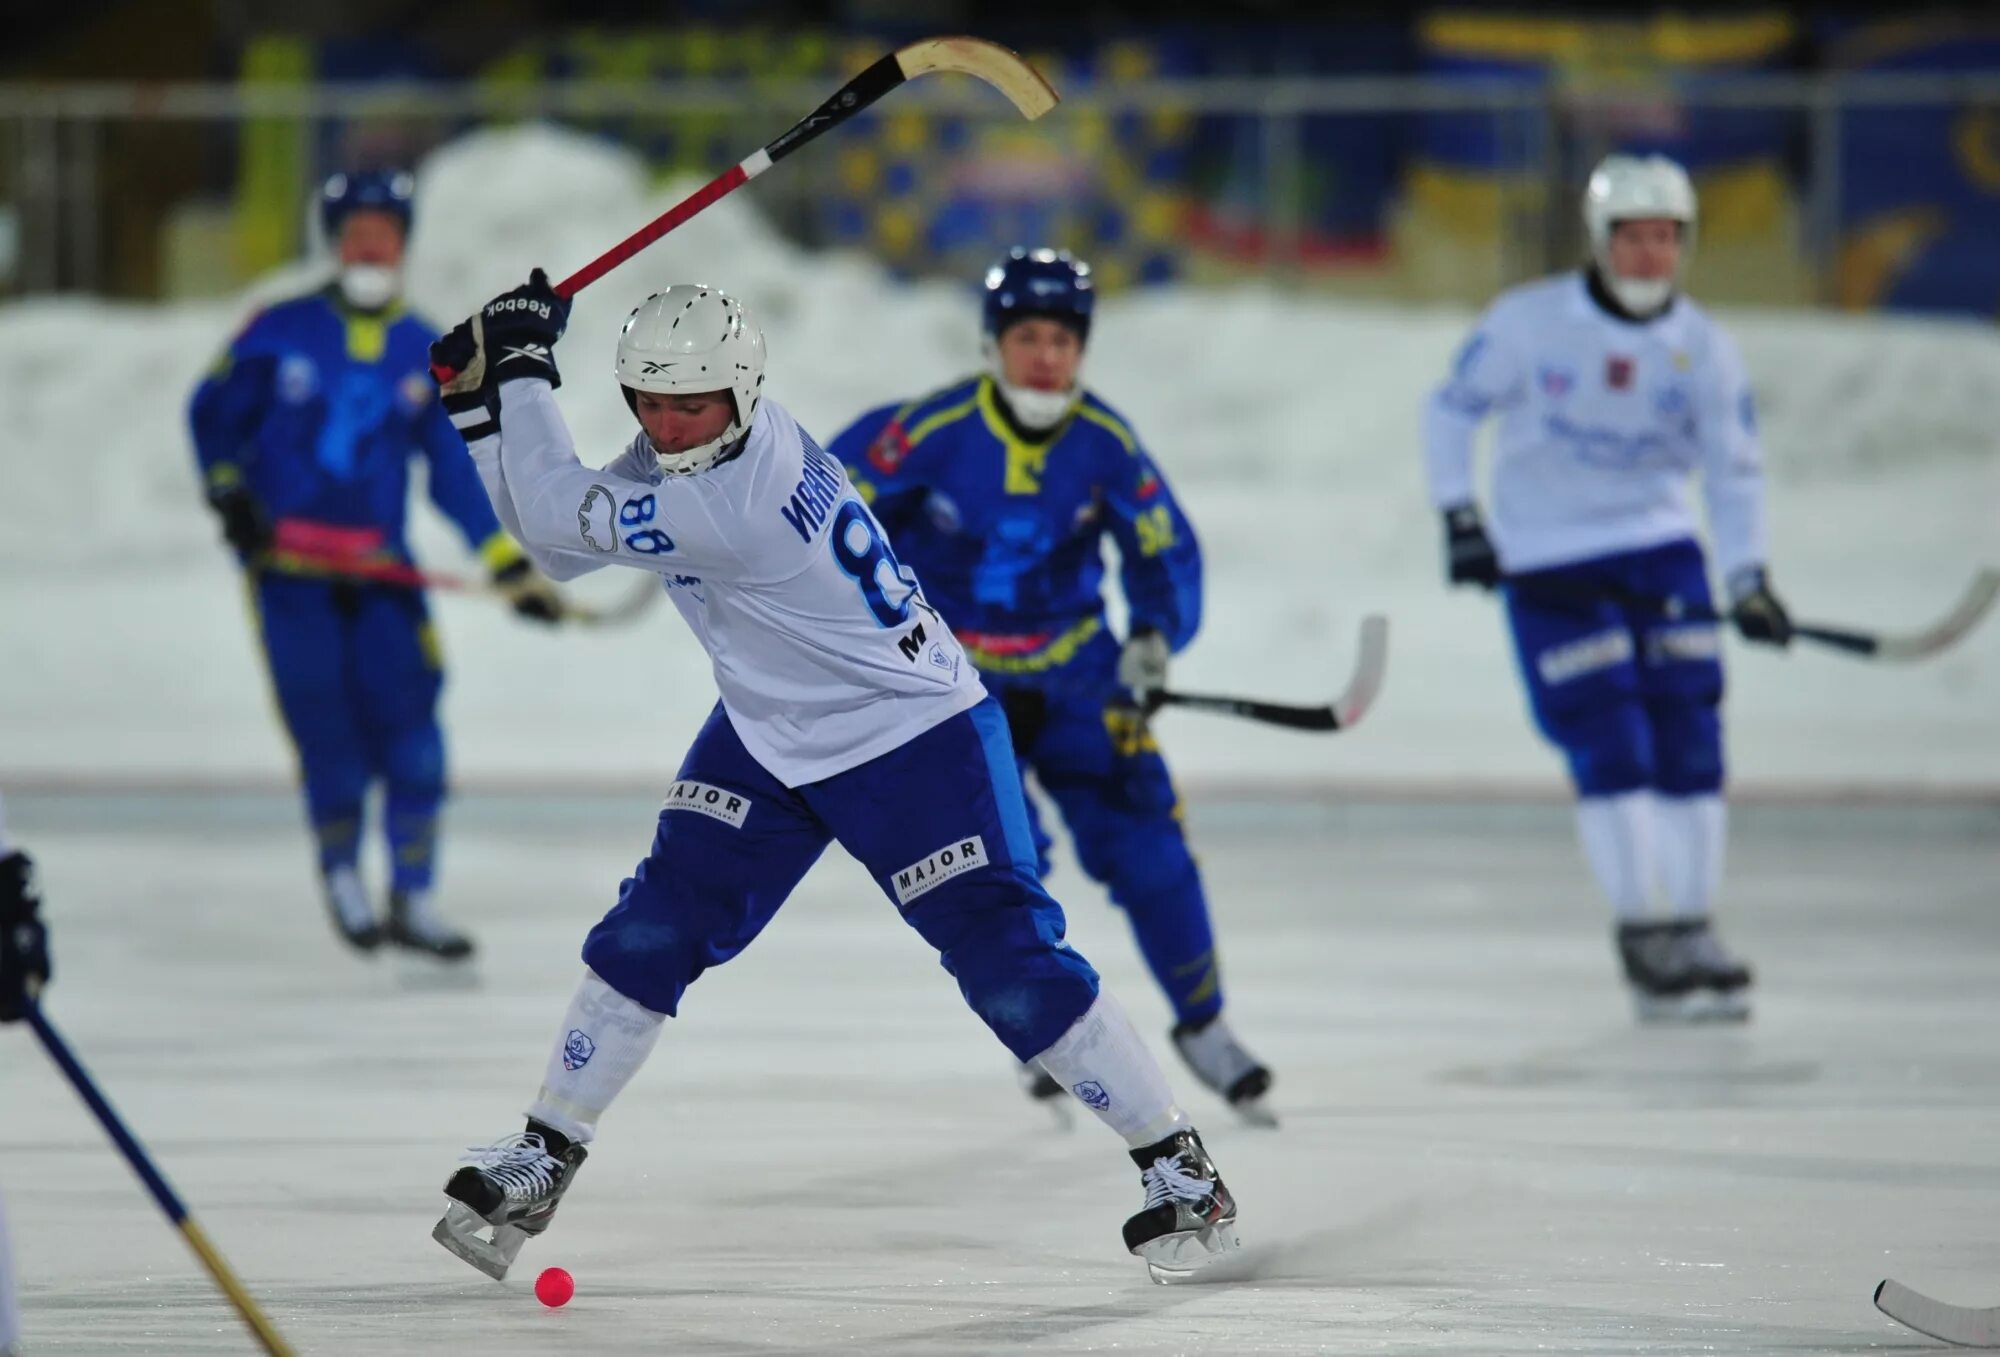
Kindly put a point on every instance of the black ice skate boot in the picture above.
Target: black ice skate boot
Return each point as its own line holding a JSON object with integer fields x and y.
{"x": 1189, "y": 1219}
{"x": 1679, "y": 973}
{"x": 1723, "y": 978}
{"x": 353, "y": 915}
{"x": 414, "y": 923}
{"x": 1218, "y": 1060}
{"x": 512, "y": 1185}
{"x": 1042, "y": 1087}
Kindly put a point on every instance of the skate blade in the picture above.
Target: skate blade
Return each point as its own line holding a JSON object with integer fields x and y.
{"x": 1256, "y": 1112}
{"x": 1699, "y": 1006}
{"x": 1178, "y": 1257}
{"x": 458, "y": 1230}
{"x": 420, "y": 971}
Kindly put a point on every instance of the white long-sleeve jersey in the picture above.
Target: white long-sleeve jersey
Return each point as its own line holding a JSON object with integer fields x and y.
{"x": 824, "y": 650}
{"x": 1602, "y": 422}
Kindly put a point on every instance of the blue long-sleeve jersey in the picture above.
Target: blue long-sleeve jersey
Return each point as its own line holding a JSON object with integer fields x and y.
{"x": 317, "y": 410}
{"x": 1005, "y": 532}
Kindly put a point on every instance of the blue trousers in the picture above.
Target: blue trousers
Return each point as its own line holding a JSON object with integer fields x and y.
{"x": 357, "y": 677}
{"x": 939, "y": 822}
{"x": 1631, "y": 695}
{"x": 1103, "y": 769}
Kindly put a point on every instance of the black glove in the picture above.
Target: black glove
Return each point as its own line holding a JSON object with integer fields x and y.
{"x": 521, "y": 330}
{"x": 245, "y": 524}
{"x": 528, "y": 593}
{"x": 1469, "y": 557}
{"x": 458, "y": 366}
{"x": 24, "y": 944}
{"x": 1756, "y": 610}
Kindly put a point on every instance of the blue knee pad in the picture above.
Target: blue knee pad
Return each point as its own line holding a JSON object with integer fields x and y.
{"x": 1004, "y": 945}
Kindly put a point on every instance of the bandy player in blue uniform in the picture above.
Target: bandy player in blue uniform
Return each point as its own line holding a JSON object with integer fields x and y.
{"x": 848, "y": 714}
{"x": 1612, "y": 390}
{"x": 999, "y": 490}
{"x": 304, "y": 432}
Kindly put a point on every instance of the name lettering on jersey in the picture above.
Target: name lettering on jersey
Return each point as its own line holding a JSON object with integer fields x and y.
{"x": 1604, "y": 650}
{"x": 594, "y": 517}
{"x": 716, "y": 803}
{"x": 818, "y": 491}
{"x": 954, "y": 859}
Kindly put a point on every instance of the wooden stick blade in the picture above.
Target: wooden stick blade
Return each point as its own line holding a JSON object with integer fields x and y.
{"x": 1004, "y": 70}
{"x": 1976, "y": 602}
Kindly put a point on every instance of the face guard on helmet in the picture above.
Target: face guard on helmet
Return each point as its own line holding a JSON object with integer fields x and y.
{"x": 368, "y": 287}
{"x": 1632, "y": 188}
{"x": 1029, "y": 283}
{"x": 688, "y": 340}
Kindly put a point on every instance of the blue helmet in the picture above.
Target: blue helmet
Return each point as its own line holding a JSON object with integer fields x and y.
{"x": 1040, "y": 282}
{"x": 371, "y": 190}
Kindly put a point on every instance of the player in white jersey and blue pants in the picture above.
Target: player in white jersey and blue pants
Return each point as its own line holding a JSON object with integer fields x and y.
{"x": 24, "y": 967}
{"x": 848, "y": 713}
{"x": 1612, "y": 391}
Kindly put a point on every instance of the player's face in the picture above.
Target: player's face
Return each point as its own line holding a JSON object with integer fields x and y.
{"x": 370, "y": 237}
{"x": 1040, "y": 354}
{"x": 1646, "y": 248}
{"x": 677, "y": 423}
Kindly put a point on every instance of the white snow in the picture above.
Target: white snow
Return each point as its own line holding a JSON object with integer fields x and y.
{"x": 1287, "y": 423}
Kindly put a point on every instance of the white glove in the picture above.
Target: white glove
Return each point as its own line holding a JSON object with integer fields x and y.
{"x": 1142, "y": 664}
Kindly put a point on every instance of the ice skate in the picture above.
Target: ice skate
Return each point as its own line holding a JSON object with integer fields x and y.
{"x": 513, "y": 1186}
{"x": 1212, "y": 1052}
{"x": 1189, "y": 1219}
{"x": 415, "y": 924}
{"x": 1679, "y": 972}
{"x": 353, "y": 915}
{"x": 1042, "y": 1087}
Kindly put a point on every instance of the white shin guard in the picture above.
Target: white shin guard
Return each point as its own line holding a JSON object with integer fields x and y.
{"x": 605, "y": 1039}
{"x": 1617, "y": 834}
{"x": 1102, "y": 1061}
{"x": 1692, "y": 833}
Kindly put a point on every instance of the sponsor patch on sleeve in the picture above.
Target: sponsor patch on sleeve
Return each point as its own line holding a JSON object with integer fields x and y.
{"x": 954, "y": 859}
{"x": 717, "y": 803}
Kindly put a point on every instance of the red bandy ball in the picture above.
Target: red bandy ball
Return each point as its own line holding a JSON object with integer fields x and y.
{"x": 554, "y": 1287}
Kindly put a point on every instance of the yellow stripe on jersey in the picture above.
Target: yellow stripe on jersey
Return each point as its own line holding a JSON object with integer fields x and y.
{"x": 1025, "y": 461}
{"x": 1105, "y": 420}
{"x": 930, "y": 424}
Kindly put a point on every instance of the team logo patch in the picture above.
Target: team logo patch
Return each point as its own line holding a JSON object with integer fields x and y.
{"x": 717, "y": 803}
{"x": 1618, "y": 372}
{"x": 1557, "y": 382}
{"x": 298, "y": 379}
{"x": 1092, "y": 1095}
{"x": 890, "y": 447}
{"x": 578, "y": 1048}
{"x": 594, "y": 519}
{"x": 954, "y": 859}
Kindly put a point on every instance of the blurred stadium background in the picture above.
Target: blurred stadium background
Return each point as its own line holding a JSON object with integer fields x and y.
{"x": 1302, "y": 211}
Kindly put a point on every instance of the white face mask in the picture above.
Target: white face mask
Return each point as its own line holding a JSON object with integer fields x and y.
{"x": 370, "y": 287}
{"x": 1643, "y": 297}
{"x": 1036, "y": 410}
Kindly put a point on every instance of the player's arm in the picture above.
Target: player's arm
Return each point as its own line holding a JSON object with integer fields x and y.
{"x": 227, "y": 406}
{"x": 1733, "y": 484}
{"x": 462, "y": 494}
{"x": 1485, "y": 379}
{"x": 875, "y": 449}
{"x": 1160, "y": 564}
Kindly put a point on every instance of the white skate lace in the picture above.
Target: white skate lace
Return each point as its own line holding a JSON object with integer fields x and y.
{"x": 1167, "y": 1181}
{"x": 520, "y": 1166}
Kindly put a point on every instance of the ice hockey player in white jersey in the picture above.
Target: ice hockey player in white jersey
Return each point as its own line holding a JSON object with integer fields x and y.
{"x": 848, "y": 713}
{"x": 1611, "y": 391}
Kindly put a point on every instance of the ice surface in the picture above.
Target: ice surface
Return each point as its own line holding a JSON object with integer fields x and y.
{"x": 1481, "y": 1154}
{"x": 1289, "y": 424}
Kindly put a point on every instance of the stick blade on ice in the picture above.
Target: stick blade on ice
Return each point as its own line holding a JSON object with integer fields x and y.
{"x": 1959, "y": 1324}
{"x": 989, "y": 61}
{"x": 1371, "y": 666}
{"x": 1972, "y": 606}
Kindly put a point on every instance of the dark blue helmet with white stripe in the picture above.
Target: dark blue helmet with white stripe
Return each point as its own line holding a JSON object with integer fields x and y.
{"x": 1039, "y": 282}
{"x": 388, "y": 191}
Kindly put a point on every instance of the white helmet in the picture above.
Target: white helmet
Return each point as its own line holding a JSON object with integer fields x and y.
{"x": 687, "y": 340}
{"x": 1626, "y": 188}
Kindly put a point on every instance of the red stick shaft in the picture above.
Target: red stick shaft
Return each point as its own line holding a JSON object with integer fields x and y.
{"x": 724, "y": 183}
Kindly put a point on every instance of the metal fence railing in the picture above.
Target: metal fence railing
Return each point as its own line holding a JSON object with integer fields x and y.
{"x": 1406, "y": 188}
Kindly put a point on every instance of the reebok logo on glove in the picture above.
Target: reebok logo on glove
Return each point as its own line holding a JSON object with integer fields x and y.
{"x": 529, "y": 304}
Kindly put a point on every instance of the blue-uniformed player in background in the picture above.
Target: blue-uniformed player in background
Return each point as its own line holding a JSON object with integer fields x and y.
{"x": 304, "y": 431}
{"x": 998, "y": 491}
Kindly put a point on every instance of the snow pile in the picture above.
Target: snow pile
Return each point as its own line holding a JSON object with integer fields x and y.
{"x": 1289, "y": 425}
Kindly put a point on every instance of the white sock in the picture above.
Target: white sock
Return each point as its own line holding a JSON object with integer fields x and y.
{"x": 1692, "y": 832}
{"x": 10, "y": 1316}
{"x": 1102, "y": 1061}
{"x": 1617, "y": 834}
{"x": 605, "y": 1039}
